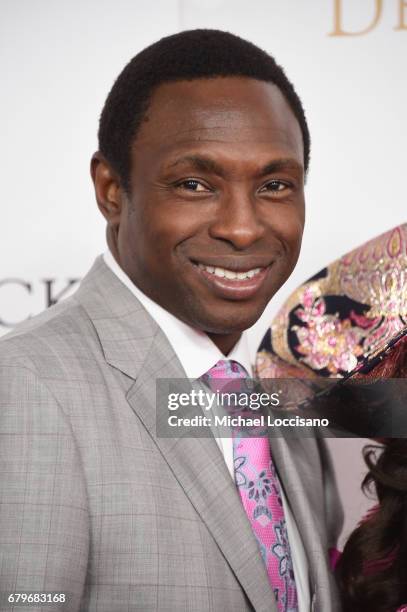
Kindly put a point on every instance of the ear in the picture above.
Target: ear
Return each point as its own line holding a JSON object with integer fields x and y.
{"x": 108, "y": 190}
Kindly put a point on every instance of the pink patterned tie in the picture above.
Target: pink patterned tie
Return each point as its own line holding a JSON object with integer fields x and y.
{"x": 259, "y": 488}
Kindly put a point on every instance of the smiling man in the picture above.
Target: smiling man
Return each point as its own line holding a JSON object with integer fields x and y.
{"x": 203, "y": 147}
{"x": 211, "y": 221}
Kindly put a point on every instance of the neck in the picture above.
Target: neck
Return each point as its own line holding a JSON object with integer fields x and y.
{"x": 225, "y": 342}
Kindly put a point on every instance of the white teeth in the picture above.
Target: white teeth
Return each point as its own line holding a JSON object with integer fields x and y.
{"x": 229, "y": 274}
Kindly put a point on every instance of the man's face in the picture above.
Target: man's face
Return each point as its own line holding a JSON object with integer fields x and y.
{"x": 213, "y": 224}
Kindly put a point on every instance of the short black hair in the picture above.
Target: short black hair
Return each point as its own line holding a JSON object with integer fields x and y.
{"x": 188, "y": 55}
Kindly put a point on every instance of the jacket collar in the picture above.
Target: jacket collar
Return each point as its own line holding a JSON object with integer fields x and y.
{"x": 125, "y": 330}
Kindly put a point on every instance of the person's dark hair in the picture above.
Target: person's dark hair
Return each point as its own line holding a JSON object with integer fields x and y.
{"x": 372, "y": 571}
{"x": 193, "y": 54}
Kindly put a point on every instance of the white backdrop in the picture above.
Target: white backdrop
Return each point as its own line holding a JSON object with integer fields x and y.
{"x": 347, "y": 59}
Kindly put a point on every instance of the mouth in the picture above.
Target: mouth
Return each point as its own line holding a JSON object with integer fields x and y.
{"x": 240, "y": 283}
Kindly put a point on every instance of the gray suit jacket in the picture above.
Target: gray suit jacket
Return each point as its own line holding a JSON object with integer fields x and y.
{"x": 93, "y": 504}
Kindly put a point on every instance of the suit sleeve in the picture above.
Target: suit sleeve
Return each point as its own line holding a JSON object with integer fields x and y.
{"x": 44, "y": 520}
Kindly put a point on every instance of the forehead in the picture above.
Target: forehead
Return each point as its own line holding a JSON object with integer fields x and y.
{"x": 241, "y": 112}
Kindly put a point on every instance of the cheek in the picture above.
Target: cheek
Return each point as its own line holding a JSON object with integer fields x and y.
{"x": 294, "y": 235}
{"x": 155, "y": 233}
{"x": 288, "y": 226}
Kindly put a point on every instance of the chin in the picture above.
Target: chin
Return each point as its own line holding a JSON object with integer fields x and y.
{"x": 229, "y": 322}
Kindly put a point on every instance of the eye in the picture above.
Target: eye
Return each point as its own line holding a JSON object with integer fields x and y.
{"x": 275, "y": 186}
{"x": 193, "y": 185}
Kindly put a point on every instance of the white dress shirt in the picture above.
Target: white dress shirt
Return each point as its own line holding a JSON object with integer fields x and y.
{"x": 198, "y": 354}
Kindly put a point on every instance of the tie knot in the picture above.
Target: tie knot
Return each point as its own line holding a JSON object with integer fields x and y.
{"x": 226, "y": 375}
{"x": 231, "y": 381}
{"x": 227, "y": 368}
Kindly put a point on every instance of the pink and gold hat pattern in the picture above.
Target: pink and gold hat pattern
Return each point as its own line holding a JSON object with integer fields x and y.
{"x": 343, "y": 316}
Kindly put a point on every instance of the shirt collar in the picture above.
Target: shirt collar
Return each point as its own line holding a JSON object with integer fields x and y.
{"x": 195, "y": 350}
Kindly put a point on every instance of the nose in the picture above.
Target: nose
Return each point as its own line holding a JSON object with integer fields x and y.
{"x": 237, "y": 220}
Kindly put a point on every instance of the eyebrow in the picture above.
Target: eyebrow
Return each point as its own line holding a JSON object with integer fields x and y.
{"x": 280, "y": 164}
{"x": 206, "y": 164}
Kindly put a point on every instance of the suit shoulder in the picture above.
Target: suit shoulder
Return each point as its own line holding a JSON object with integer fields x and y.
{"x": 49, "y": 338}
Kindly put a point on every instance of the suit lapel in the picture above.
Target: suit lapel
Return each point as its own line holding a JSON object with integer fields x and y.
{"x": 133, "y": 343}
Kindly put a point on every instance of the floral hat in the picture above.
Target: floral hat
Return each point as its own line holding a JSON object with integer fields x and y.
{"x": 344, "y": 317}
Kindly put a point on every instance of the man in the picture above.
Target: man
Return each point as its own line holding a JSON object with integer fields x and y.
{"x": 203, "y": 146}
